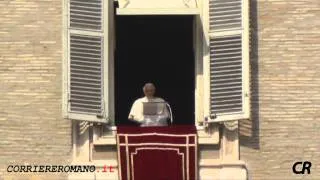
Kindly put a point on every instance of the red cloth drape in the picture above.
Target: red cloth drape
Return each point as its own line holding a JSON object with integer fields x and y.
{"x": 157, "y": 153}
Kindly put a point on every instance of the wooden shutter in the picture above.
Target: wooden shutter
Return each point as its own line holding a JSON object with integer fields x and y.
{"x": 229, "y": 60}
{"x": 89, "y": 55}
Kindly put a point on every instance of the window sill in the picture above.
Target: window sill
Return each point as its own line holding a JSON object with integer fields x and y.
{"x": 204, "y": 137}
{"x": 105, "y": 141}
{"x": 220, "y": 163}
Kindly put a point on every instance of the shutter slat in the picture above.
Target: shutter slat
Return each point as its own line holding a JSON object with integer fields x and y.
{"x": 84, "y": 104}
{"x": 73, "y": 6}
{"x": 87, "y": 87}
{"x": 80, "y": 99}
{"x": 221, "y": 8}
{"x": 227, "y": 59}
{"x": 225, "y": 93}
{"x": 85, "y": 2}
{"x": 85, "y": 20}
{"x": 84, "y": 45}
{"x": 227, "y": 110}
{"x": 88, "y": 79}
{"x": 86, "y": 16}
{"x": 84, "y": 67}
{"x": 93, "y": 72}
{"x": 84, "y": 88}
{"x": 226, "y": 88}
{"x": 224, "y": 75}
{"x": 224, "y": 12}
{"x": 223, "y": 43}
{"x": 227, "y": 84}
{"x": 85, "y": 53}
{"x": 75, "y": 60}
{"x": 217, "y": 3}
{"x": 82, "y": 109}
{"x": 225, "y": 80}
{"x": 84, "y": 96}
{"x": 226, "y": 15}
{"x": 235, "y": 105}
{"x": 221, "y": 63}
{"x": 86, "y": 40}
{"x": 225, "y": 66}
{"x": 224, "y": 72}
{"x": 83, "y": 13}
{"x": 218, "y": 20}
{"x": 225, "y": 48}
{"x": 85, "y": 71}
{"x": 96, "y": 59}
{"x": 86, "y": 74}
{"x": 93, "y": 50}
{"x": 230, "y": 97}
{"x": 77, "y": 91}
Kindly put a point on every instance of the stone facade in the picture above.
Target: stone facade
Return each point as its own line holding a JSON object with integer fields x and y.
{"x": 285, "y": 122}
{"x": 32, "y": 129}
{"x": 285, "y": 90}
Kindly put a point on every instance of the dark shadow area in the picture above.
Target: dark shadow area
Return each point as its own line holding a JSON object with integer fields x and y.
{"x": 156, "y": 49}
{"x": 249, "y": 129}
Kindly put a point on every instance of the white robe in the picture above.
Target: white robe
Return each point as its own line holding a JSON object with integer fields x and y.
{"x": 136, "y": 113}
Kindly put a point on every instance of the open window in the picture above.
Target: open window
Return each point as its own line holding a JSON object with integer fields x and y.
{"x": 89, "y": 66}
{"x": 227, "y": 60}
{"x": 158, "y": 49}
{"x": 89, "y": 71}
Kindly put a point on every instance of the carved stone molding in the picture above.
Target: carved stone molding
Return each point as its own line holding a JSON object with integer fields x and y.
{"x": 231, "y": 125}
{"x": 154, "y": 4}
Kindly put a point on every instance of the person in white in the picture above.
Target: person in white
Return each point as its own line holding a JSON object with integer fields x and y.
{"x": 138, "y": 113}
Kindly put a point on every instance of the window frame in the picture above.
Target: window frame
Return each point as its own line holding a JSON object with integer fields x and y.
{"x": 200, "y": 36}
{"x": 108, "y": 77}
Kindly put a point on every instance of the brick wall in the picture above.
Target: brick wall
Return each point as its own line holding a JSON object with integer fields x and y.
{"x": 285, "y": 87}
{"x": 32, "y": 129}
{"x": 285, "y": 69}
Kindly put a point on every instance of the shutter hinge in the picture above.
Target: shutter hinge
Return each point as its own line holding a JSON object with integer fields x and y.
{"x": 99, "y": 116}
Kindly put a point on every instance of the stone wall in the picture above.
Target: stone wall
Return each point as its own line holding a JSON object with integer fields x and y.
{"x": 285, "y": 79}
{"x": 32, "y": 130}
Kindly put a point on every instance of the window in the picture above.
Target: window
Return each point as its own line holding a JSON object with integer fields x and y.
{"x": 89, "y": 56}
{"x": 227, "y": 60}
{"x": 89, "y": 60}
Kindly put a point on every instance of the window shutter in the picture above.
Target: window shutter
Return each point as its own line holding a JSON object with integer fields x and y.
{"x": 229, "y": 58}
{"x": 88, "y": 55}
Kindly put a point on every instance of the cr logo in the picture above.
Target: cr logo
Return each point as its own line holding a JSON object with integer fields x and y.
{"x": 306, "y": 165}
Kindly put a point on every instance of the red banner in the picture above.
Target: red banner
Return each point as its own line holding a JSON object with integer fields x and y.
{"x": 157, "y": 153}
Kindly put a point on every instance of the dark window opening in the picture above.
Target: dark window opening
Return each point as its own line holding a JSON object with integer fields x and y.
{"x": 156, "y": 49}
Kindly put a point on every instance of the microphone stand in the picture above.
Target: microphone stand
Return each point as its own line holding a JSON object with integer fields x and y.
{"x": 170, "y": 111}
